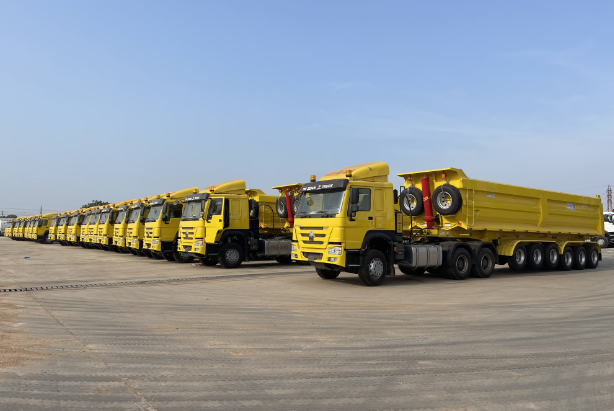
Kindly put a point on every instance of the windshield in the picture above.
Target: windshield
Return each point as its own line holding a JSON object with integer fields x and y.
{"x": 104, "y": 217}
{"x": 325, "y": 202}
{"x": 608, "y": 218}
{"x": 154, "y": 213}
{"x": 54, "y": 221}
{"x": 192, "y": 210}
{"x": 86, "y": 220}
{"x": 95, "y": 219}
{"x": 63, "y": 221}
{"x": 120, "y": 217}
{"x": 73, "y": 220}
{"x": 134, "y": 214}
{"x": 42, "y": 222}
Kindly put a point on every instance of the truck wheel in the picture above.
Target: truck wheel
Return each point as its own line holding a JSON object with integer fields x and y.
{"x": 374, "y": 268}
{"x": 157, "y": 256}
{"x": 408, "y": 271}
{"x": 602, "y": 242}
{"x": 230, "y": 256}
{"x": 182, "y": 257}
{"x": 447, "y": 199}
{"x": 169, "y": 256}
{"x": 551, "y": 256}
{"x": 592, "y": 257}
{"x": 484, "y": 264}
{"x": 518, "y": 260}
{"x": 327, "y": 274}
{"x": 284, "y": 260}
{"x": 280, "y": 206}
{"x": 566, "y": 259}
{"x": 253, "y": 209}
{"x": 460, "y": 266}
{"x": 579, "y": 257}
{"x": 208, "y": 261}
{"x": 535, "y": 254}
{"x": 296, "y": 201}
{"x": 412, "y": 201}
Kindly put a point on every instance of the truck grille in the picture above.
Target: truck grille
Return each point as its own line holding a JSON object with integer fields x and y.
{"x": 149, "y": 232}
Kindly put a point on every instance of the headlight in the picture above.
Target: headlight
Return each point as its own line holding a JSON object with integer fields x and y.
{"x": 155, "y": 241}
{"x": 334, "y": 250}
{"x": 198, "y": 243}
{"x": 293, "y": 247}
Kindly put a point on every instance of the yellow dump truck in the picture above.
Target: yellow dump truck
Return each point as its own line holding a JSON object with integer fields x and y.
{"x": 119, "y": 227}
{"x": 8, "y": 231}
{"x": 352, "y": 220}
{"x": 92, "y": 228}
{"x": 53, "y": 227}
{"x": 136, "y": 226}
{"x": 73, "y": 236}
{"x": 106, "y": 225}
{"x": 62, "y": 232}
{"x": 87, "y": 215}
{"x": 229, "y": 224}
{"x": 162, "y": 223}
{"x": 18, "y": 230}
{"x": 40, "y": 230}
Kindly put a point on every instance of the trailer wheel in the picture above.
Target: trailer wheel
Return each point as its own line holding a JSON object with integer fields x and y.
{"x": 602, "y": 242}
{"x": 374, "y": 268}
{"x": 253, "y": 208}
{"x": 327, "y": 274}
{"x": 280, "y": 206}
{"x": 447, "y": 199}
{"x": 230, "y": 256}
{"x": 460, "y": 265}
{"x": 412, "y": 201}
{"x": 296, "y": 201}
{"x": 551, "y": 256}
{"x": 284, "y": 259}
{"x": 535, "y": 253}
{"x": 484, "y": 264}
{"x": 208, "y": 261}
{"x": 518, "y": 260}
{"x": 592, "y": 257}
{"x": 169, "y": 256}
{"x": 566, "y": 259}
{"x": 182, "y": 258}
{"x": 579, "y": 257}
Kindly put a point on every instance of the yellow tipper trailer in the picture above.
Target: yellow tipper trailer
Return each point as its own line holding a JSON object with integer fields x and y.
{"x": 228, "y": 224}
{"x": 350, "y": 221}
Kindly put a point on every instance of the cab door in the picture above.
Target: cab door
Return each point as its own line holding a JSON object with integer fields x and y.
{"x": 364, "y": 220}
{"x": 214, "y": 215}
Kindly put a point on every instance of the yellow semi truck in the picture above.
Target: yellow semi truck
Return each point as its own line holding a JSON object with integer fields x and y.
{"x": 162, "y": 224}
{"x": 62, "y": 232}
{"x": 229, "y": 224}
{"x": 106, "y": 225}
{"x": 92, "y": 228}
{"x": 135, "y": 229}
{"x": 53, "y": 227}
{"x": 119, "y": 227}
{"x": 40, "y": 229}
{"x": 74, "y": 227}
{"x": 8, "y": 231}
{"x": 353, "y": 221}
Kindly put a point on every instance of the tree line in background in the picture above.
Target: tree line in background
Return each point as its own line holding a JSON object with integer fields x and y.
{"x": 92, "y": 203}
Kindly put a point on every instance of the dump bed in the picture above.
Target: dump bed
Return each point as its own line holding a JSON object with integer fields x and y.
{"x": 488, "y": 206}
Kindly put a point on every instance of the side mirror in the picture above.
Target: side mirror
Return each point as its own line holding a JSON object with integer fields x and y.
{"x": 396, "y": 196}
{"x": 164, "y": 209}
{"x": 352, "y": 209}
{"x": 354, "y": 195}
{"x": 143, "y": 220}
{"x": 202, "y": 215}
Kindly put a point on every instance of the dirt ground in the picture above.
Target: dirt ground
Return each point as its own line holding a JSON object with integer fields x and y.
{"x": 281, "y": 338}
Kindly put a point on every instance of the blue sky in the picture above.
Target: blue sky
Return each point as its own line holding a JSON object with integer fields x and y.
{"x": 117, "y": 100}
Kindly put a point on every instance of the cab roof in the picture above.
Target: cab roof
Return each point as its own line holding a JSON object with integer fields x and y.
{"x": 376, "y": 172}
{"x": 229, "y": 187}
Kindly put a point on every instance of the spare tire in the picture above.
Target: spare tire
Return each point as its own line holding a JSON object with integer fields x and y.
{"x": 412, "y": 201}
{"x": 280, "y": 206}
{"x": 296, "y": 200}
{"x": 253, "y": 209}
{"x": 447, "y": 199}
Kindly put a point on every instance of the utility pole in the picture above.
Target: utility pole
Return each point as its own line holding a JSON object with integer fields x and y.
{"x": 41, "y": 212}
{"x": 609, "y": 199}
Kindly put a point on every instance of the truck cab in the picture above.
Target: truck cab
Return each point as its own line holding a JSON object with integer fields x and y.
{"x": 62, "y": 231}
{"x": 607, "y": 240}
{"x": 53, "y": 227}
{"x": 73, "y": 236}
{"x": 40, "y": 231}
{"x": 136, "y": 226}
{"x": 228, "y": 224}
{"x": 119, "y": 227}
{"x": 87, "y": 216}
{"x": 104, "y": 235}
{"x": 162, "y": 224}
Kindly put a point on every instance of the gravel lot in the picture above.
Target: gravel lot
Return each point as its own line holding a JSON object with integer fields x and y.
{"x": 281, "y": 338}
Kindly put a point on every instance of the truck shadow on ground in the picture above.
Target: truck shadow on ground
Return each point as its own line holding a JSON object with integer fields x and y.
{"x": 401, "y": 279}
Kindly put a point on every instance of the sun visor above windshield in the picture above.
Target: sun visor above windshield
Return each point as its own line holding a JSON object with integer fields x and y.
{"x": 328, "y": 185}
{"x": 197, "y": 196}
{"x": 375, "y": 172}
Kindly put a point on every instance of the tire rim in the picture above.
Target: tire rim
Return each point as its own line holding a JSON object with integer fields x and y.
{"x": 594, "y": 257}
{"x": 462, "y": 263}
{"x": 280, "y": 209}
{"x": 410, "y": 202}
{"x": 601, "y": 242}
{"x": 232, "y": 256}
{"x": 554, "y": 256}
{"x": 537, "y": 256}
{"x": 486, "y": 263}
{"x": 520, "y": 257}
{"x": 444, "y": 200}
{"x": 376, "y": 268}
{"x": 568, "y": 258}
{"x": 582, "y": 257}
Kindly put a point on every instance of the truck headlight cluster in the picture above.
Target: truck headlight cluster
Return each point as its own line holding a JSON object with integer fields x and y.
{"x": 198, "y": 243}
{"x": 155, "y": 241}
{"x": 335, "y": 250}
{"x": 294, "y": 247}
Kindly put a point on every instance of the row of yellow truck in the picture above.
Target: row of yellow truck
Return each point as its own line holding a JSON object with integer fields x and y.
{"x": 350, "y": 220}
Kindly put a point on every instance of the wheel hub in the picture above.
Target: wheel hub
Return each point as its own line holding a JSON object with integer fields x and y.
{"x": 232, "y": 256}
{"x": 444, "y": 200}
{"x": 376, "y": 268}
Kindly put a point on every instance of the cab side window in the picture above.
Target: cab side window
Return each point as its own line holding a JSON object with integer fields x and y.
{"x": 364, "y": 199}
{"x": 215, "y": 208}
{"x": 175, "y": 211}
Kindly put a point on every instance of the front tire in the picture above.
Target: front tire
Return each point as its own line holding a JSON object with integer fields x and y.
{"x": 374, "y": 268}
{"x": 169, "y": 256}
{"x": 208, "y": 261}
{"x": 327, "y": 274}
{"x": 230, "y": 256}
{"x": 182, "y": 258}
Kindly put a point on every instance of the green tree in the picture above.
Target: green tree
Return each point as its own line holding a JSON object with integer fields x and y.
{"x": 94, "y": 203}
{"x": 8, "y": 216}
